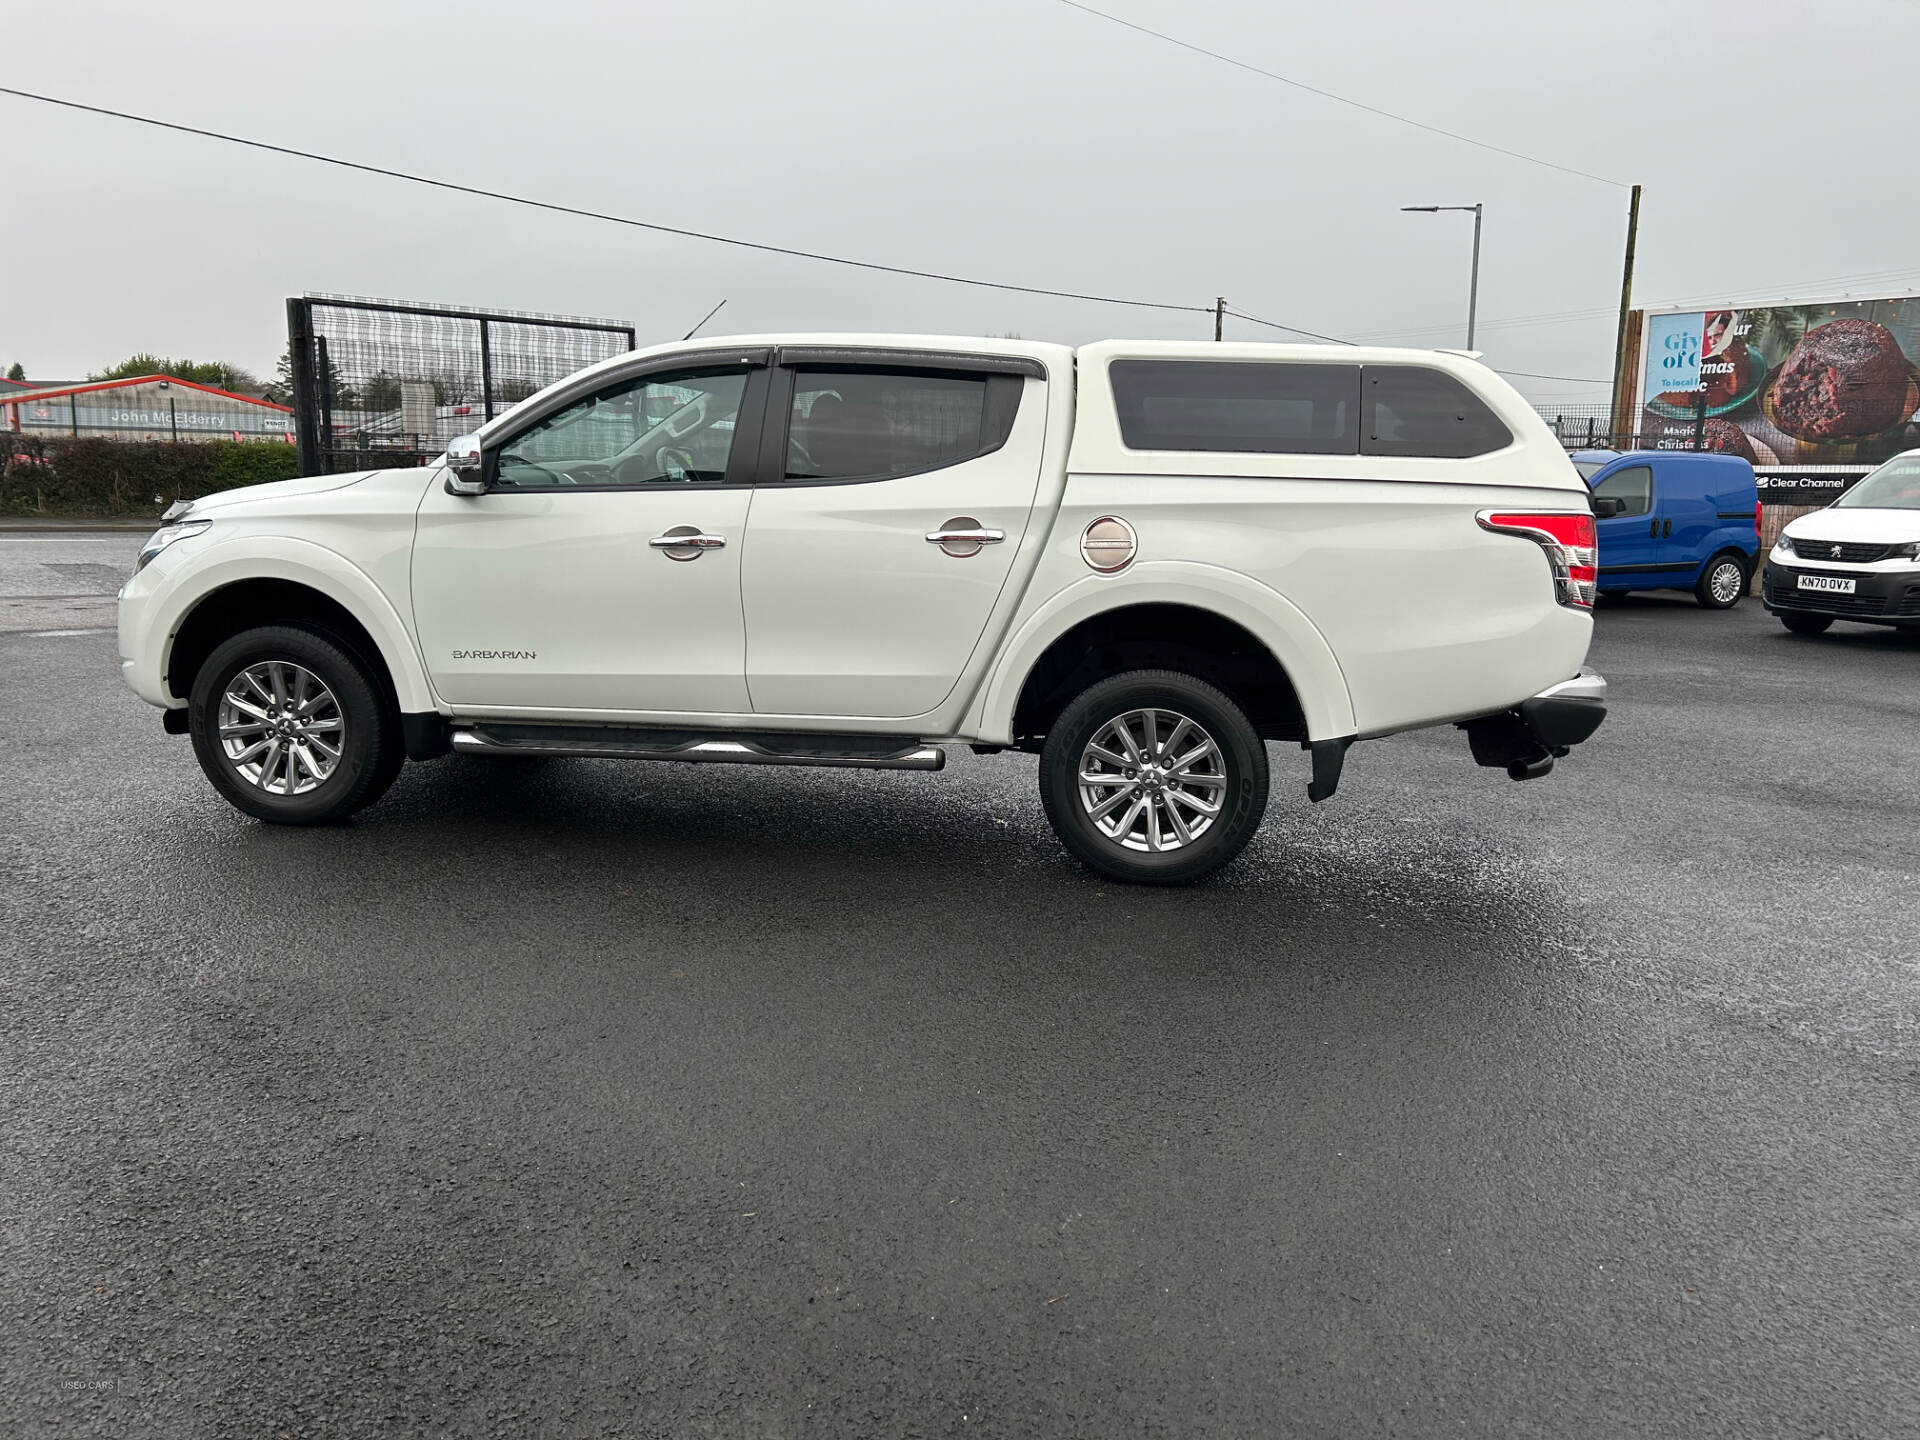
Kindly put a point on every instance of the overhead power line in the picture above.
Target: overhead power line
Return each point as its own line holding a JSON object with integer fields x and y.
{"x": 1712, "y": 297}
{"x": 1336, "y": 340}
{"x": 1575, "y": 379}
{"x": 602, "y": 215}
{"x": 690, "y": 234}
{"x": 1341, "y": 99}
{"x": 1290, "y": 329}
{"x": 1719, "y": 297}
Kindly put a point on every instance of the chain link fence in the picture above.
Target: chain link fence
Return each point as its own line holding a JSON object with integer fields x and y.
{"x": 384, "y": 382}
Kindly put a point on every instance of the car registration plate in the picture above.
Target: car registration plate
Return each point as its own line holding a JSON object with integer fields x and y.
{"x": 1836, "y": 584}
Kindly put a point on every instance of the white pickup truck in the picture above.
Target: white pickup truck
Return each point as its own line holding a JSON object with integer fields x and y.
{"x": 1139, "y": 560}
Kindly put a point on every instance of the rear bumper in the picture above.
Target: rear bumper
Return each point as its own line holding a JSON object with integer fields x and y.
{"x": 1527, "y": 739}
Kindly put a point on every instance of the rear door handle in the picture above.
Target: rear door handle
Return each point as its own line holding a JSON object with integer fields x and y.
{"x": 964, "y": 536}
{"x": 687, "y": 542}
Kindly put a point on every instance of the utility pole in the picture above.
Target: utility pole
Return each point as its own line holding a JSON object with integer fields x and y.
{"x": 1622, "y": 403}
{"x": 1473, "y": 286}
{"x": 1219, "y": 316}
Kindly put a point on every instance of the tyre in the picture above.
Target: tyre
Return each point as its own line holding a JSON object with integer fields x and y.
{"x": 1804, "y": 624}
{"x": 293, "y": 727}
{"x": 1153, "y": 777}
{"x": 1722, "y": 582}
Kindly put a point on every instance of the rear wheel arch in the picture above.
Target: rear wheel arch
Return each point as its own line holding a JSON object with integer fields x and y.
{"x": 1282, "y": 630}
{"x": 1184, "y": 638}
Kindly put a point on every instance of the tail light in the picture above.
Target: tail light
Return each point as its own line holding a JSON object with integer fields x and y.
{"x": 1756, "y": 520}
{"x": 1570, "y": 541}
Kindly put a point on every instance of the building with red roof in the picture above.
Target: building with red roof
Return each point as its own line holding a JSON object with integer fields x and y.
{"x": 144, "y": 407}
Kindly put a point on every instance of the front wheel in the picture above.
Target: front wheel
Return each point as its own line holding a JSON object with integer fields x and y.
{"x": 1722, "y": 583}
{"x": 1153, "y": 777}
{"x": 1805, "y": 624}
{"x": 292, "y": 728}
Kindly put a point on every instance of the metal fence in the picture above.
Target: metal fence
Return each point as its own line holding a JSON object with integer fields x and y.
{"x": 1590, "y": 427}
{"x": 386, "y": 382}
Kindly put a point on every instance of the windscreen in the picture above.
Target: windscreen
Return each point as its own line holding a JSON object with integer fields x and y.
{"x": 1894, "y": 486}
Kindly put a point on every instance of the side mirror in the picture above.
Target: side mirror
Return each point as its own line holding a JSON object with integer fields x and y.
{"x": 464, "y": 473}
{"x": 1605, "y": 507}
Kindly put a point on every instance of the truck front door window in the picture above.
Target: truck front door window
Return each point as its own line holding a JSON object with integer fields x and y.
{"x": 674, "y": 429}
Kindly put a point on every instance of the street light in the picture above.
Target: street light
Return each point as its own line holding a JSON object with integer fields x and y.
{"x": 173, "y": 420}
{"x": 1473, "y": 293}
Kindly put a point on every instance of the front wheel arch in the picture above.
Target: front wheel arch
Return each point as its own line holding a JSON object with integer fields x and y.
{"x": 249, "y": 604}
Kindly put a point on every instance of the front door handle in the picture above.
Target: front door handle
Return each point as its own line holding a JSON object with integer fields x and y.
{"x": 686, "y": 542}
{"x": 1653, "y": 530}
{"x": 963, "y": 536}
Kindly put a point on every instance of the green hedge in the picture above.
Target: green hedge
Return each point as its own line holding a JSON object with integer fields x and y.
{"x": 129, "y": 477}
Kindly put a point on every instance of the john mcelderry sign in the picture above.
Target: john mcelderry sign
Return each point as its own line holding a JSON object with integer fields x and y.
{"x": 249, "y": 420}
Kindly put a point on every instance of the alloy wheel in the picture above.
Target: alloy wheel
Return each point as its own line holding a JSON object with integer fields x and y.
{"x": 281, "y": 728}
{"x": 1152, "y": 780}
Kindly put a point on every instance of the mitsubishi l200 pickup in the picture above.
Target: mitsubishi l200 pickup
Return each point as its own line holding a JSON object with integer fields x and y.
{"x": 1141, "y": 561}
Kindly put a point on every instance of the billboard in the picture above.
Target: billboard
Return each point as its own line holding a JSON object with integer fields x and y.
{"x": 1789, "y": 385}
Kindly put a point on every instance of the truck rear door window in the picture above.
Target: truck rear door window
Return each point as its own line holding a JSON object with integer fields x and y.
{"x": 872, "y": 423}
{"x": 1414, "y": 411}
{"x": 1259, "y": 406}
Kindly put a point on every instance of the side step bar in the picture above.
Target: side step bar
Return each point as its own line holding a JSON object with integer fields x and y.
{"x": 846, "y": 752}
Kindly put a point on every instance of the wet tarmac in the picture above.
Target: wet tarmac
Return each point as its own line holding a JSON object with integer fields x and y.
{"x": 574, "y": 1097}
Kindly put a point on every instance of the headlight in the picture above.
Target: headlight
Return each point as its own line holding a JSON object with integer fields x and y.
{"x": 1785, "y": 545}
{"x": 1908, "y": 551}
{"x": 164, "y": 537}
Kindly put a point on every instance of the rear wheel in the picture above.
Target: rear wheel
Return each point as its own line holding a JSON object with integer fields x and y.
{"x": 293, "y": 728}
{"x": 1154, "y": 777}
{"x": 1805, "y": 624}
{"x": 1722, "y": 582}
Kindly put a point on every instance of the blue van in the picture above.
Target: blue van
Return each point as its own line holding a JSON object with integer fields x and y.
{"x": 1674, "y": 520}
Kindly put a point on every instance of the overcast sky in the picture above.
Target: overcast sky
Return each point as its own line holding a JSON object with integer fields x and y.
{"x": 1009, "y": 139}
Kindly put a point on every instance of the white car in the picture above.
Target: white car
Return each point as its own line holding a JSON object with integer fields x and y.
{"x": 1140, "y": 560}
{"x": 1858, "y": 559}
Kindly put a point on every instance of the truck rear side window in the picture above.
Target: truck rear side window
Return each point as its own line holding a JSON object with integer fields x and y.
{"x": 1259, "y": 406}
{"x": 1414, "y": 411}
